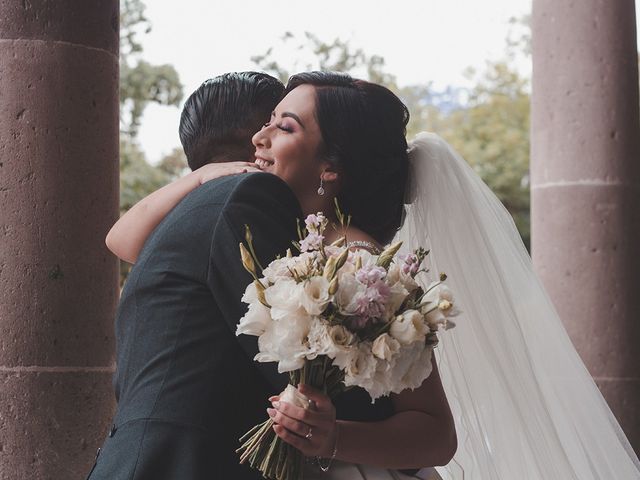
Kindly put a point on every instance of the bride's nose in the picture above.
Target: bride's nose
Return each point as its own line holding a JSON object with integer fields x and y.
{"x": 261, "y": 138}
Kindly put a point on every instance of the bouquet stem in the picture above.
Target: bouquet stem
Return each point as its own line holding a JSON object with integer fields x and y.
{"x": 268, "y": 453}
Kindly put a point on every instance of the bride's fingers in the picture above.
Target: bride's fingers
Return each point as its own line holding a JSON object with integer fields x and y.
{"x": 322, "y": 401}
{"x": 292, "y": 439}
{"x": 299, "y": 428}
{"x": 308, "y": 416}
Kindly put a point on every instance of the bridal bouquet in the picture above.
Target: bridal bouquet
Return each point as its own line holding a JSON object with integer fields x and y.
{"x": 334, "y": 318}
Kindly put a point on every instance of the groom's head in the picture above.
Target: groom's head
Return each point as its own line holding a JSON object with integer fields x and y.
{"x": 221, "y": 116}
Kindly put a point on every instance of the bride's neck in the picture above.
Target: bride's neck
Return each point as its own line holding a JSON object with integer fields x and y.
{"x": 320, "y": 203}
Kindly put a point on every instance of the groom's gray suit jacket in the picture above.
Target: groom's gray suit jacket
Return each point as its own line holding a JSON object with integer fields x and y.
{"x": 187, "y": 387}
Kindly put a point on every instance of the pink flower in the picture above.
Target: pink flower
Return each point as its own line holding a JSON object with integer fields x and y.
{"x": 313, "y": 222}
{"x": 372, "y": 303}
{"x": 313, "y": 241}
{"x": 410, "y": 265}
{"x": 370, "y": 274}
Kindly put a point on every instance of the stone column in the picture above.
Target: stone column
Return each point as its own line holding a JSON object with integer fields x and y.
{"x": 58, "y": 198}
{"x": 585, "y": 171}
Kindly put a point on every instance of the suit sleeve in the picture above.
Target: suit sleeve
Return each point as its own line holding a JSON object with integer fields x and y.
{"x": 267, "y": 205}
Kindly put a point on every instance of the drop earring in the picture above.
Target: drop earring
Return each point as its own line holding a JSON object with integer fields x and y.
{"x": 321, "y": 189}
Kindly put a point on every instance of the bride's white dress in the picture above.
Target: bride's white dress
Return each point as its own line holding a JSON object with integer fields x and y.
{"x": 525, "y": 406}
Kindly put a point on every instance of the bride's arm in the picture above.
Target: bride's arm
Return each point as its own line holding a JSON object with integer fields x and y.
{"x": 420, "y": 434}
{"x": 127, "y": 237}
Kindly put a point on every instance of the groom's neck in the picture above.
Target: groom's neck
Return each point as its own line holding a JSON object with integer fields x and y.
{"x": 232, "y": 154}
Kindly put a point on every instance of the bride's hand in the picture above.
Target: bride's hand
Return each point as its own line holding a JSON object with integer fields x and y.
{"x": 312, "y": 430}
{"x": 212, "y": 171}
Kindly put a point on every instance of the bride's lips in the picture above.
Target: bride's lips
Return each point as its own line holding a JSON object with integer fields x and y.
{"x": 263, "y": 162}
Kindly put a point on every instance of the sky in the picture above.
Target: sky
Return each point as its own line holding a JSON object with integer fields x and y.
{"x": 421, "y": 41}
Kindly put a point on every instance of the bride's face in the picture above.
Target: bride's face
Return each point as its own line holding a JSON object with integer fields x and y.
{"x": 289, "y": 144}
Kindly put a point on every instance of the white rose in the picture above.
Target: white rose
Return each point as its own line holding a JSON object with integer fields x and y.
{"x": 293, "y": 396}
{"x": 362, "y": 366}
{"x": 343, "y": 356}
{"x": 436, "y": 293}
{"x": 331, "y": 340}
{"x": 419, "y": 369}
{"x": 440, "y": 305}
{"x": 445, "y": 292}
{"x": 436, "y": 318}
{"x": 304, "y": 264}
{"x": 278, "y": 269}
{"x": 385, "y": 347}
{"x": 285, "y": 342}
{"x": 382, "y": 380}
{"x": 397, "y": 294}
{"x": 315, "y": 295}
{"x": 255, "y": 321}
{"x": 267, "y": 343}
{"x": 250, "y": 294}
{"x": 396, "y": 275}
{"x": 411, "y": 366}
{"x": 340, "y": 336}
{"x": 319, "y": 340}
{"x": 409, "y": 327}
{"x": 284, "y": 298}
{"x": 349, "y": 291}
{"x": 370, "y": 373}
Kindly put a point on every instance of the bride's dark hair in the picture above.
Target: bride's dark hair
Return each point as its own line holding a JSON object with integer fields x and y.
{"x": 363, "y": 128}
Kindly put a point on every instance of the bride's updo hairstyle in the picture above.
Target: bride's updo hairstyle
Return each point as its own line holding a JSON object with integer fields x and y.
{"x": 363, "y": 128}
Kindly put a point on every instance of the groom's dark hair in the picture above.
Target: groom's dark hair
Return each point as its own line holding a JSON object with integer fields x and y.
{"x": 220, "y": 117}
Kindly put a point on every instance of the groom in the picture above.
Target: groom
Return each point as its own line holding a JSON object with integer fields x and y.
{"x": 187, "y": 387}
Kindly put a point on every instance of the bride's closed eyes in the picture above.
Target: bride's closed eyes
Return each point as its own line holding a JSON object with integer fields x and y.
{"x": 280, "y": 126}
{"x": 285, "y": 125}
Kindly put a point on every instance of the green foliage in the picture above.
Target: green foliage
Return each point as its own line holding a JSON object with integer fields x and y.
{"x": 140, "y": 82}
{"x": 137, "y": 177}
{"x": 174, "y": 164}
{"x": 492, "y": 133}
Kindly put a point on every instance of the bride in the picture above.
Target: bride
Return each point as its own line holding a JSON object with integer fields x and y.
{"x": 519, "y": 402}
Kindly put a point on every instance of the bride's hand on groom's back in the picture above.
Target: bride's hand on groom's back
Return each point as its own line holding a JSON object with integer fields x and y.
{"x": 127, "y": 237}
{"x": 211, "y": 171}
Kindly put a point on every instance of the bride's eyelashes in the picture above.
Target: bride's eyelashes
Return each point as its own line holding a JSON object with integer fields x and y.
{"x": 284, "y": 128}
{"x": 280, "y": 126}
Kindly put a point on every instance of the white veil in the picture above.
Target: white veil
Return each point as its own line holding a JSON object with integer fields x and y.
{"x": 524, "y": 403}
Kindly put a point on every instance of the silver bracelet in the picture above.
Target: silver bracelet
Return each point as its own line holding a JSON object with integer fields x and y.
{"x": 325, "y": 468}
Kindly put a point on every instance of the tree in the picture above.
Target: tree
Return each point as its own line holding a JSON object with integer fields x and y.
{"x": 492, "y": 133}
{"x": 491, "y": 130}
{"x": 141, "y": 84}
